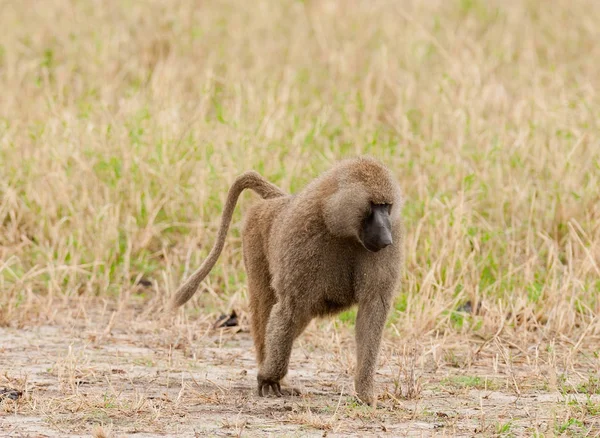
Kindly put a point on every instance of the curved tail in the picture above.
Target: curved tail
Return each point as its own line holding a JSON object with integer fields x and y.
{"x": 248, "y": 180}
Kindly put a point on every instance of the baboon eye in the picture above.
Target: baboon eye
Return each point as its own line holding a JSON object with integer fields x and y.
{"x": 387, "y": 206}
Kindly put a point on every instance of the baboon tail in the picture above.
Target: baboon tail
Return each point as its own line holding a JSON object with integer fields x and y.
{"x": 247, "y": 180}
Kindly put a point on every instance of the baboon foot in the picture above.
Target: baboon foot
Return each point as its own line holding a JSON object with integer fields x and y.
{"x": 265, "y": 384}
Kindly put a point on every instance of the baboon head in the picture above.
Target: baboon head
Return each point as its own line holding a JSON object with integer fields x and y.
{"x": 364, "y": 205}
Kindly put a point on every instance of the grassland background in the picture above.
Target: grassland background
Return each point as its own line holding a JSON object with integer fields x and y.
{"x": 123, "y": 123}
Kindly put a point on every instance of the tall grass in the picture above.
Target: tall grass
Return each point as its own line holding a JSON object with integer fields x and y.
{"x": 122, "y": 125}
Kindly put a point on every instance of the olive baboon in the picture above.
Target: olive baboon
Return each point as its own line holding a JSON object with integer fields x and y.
{"x": 335, "y": 244}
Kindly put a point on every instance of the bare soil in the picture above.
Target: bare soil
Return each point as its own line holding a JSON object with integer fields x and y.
{"x": 114, "y": 374}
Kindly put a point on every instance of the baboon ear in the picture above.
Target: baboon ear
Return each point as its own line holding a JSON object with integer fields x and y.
{"x": 345, "y": 209}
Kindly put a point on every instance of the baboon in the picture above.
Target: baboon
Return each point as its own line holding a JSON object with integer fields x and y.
{"x": 335, "y": 244}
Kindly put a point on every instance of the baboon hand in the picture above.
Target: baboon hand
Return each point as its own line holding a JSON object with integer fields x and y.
{"x": 365, "y": 394}
{"x": 368, "y": 399}
{"x": 264, "y": 385}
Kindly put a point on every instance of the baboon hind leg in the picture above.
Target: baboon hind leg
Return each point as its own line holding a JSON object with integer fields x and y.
{"x": 286, "y": 323}
{"x": 262, "y": 297}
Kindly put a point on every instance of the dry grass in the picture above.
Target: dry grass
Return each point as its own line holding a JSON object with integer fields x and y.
{"x": 122, "y": 125}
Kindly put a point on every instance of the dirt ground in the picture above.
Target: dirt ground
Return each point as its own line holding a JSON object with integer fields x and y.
{"x": 119, "y": 374}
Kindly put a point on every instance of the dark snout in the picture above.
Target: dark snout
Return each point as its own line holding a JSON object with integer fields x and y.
{"x": 377, "y": 230}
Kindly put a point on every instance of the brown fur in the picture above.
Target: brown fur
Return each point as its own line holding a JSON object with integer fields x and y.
{"x": 304, "y": 259}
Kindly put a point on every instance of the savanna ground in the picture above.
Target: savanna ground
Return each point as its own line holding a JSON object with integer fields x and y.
{"x": 122, "y": 125}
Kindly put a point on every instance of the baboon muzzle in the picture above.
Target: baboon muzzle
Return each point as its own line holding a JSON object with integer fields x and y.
{"x": 376, "y": 232}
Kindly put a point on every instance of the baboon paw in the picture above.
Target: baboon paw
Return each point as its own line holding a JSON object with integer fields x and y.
{"x": 366, "y": 401}
{"x": 367, "y": 398}
{"x": 265, "y": 384}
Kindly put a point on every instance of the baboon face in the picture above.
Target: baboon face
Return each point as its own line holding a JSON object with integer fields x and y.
{"x": 376, "y": 230}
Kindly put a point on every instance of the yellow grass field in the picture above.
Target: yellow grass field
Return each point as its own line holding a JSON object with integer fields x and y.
{"x": 123, "y": 124}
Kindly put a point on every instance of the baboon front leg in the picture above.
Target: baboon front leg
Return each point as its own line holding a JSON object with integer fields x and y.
{"x": 285, "y": 325}
{"x": 370, "y": 322}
